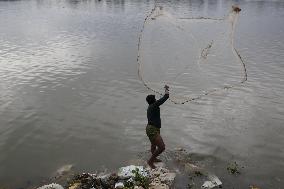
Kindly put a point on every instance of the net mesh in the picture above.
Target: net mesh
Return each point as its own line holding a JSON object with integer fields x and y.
{"x": 194, "y": 56}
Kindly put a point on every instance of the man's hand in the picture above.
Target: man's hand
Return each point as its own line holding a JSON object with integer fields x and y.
{"x": 166, "y": 89}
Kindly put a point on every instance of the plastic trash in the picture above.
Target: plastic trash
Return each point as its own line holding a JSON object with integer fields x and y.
{"x": 213, "y": 182}
{"x": 119, "y": 185}
{"x": 126, "y": 172}
{"x": 51, "y": 186}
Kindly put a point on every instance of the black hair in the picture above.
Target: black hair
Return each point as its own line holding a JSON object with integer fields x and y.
{"x": 151, "y": 99}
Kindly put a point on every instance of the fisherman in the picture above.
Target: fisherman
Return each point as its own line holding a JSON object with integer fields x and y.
{"x": 154, "y": 125}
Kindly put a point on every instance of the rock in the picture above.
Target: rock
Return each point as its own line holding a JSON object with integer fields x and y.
{"x": 107, "y": 180}
{"x": 127, "y": 172}
{"x": 113, "y": 176}
{"x": 75, "y": 186}
{"x": 167, "y": 178}
{"x": 51, "y": 186}
{"x": 156, "y": 181}
{"x": 84, "y": 180}
{"x": 161, "y": 176}
{"x": 132, "y": 176}
{"x": 157, "y": 172}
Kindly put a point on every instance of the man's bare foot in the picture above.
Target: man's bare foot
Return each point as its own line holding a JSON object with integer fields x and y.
{"x": 157, "y": 160}
{"x": 151, "y": 164}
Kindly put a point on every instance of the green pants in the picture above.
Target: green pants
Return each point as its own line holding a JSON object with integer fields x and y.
{"x": 152, "y": 132}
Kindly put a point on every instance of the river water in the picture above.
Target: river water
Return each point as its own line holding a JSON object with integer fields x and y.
{"x": 70, "y": 93}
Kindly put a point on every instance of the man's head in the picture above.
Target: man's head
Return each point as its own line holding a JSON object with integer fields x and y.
{"x": 151, "y": 99}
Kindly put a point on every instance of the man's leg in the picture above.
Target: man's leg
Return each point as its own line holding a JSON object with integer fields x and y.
{"x": 153, "y": 149}
{"x": 161, "y": 147}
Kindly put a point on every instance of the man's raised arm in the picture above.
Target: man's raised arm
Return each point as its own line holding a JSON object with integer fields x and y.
{"x": 164, "y": 98}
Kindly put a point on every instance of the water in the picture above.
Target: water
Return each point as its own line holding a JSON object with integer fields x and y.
{"x": 70, "y": 93}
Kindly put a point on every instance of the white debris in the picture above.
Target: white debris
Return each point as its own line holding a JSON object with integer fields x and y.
{"x": 208, "y": 184}
{"x": 51, "y": 186}
{"x": 213, "y": 182}
{"x": 126, "y": 172}
{"x": 119, "y": 185}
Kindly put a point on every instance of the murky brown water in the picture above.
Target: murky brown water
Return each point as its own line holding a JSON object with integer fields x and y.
{"x": 70, "y": 93}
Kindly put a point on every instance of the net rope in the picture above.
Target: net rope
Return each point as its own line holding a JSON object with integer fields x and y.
{"x": 202, "y": 54}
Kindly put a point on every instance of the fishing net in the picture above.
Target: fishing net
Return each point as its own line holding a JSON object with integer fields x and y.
{"x": 194, "y": 56}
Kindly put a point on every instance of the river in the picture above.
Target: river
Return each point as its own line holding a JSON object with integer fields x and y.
{"x": 70, "y": 92}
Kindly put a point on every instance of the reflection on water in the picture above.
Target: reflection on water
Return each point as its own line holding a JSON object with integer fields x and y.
{"x": 70, "y": 94}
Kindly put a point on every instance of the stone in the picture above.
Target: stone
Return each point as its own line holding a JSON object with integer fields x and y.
{"x": 167, "y": 178}
{"x": 84, "y": 180}
{"x": 75, "y": 186}
{"x": 161, "y": 176}
{"x": 156, "y": 181}
{"x": 126, "y": 172}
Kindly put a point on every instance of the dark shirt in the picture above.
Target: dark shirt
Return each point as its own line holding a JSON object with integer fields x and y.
{"x": 153, "y": 112}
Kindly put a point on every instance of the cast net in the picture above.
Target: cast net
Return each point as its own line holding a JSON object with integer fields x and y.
{"x": 194, "y": 56}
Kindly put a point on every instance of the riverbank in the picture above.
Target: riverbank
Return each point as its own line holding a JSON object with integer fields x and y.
{"x": 186, "y": 173}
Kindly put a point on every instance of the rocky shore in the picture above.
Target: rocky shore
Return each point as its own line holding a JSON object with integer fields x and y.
{"x": 129, "y": 177}
{"x": 178, "y": 170}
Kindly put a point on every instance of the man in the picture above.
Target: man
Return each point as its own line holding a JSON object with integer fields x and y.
{"x": 154, "y": 125}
